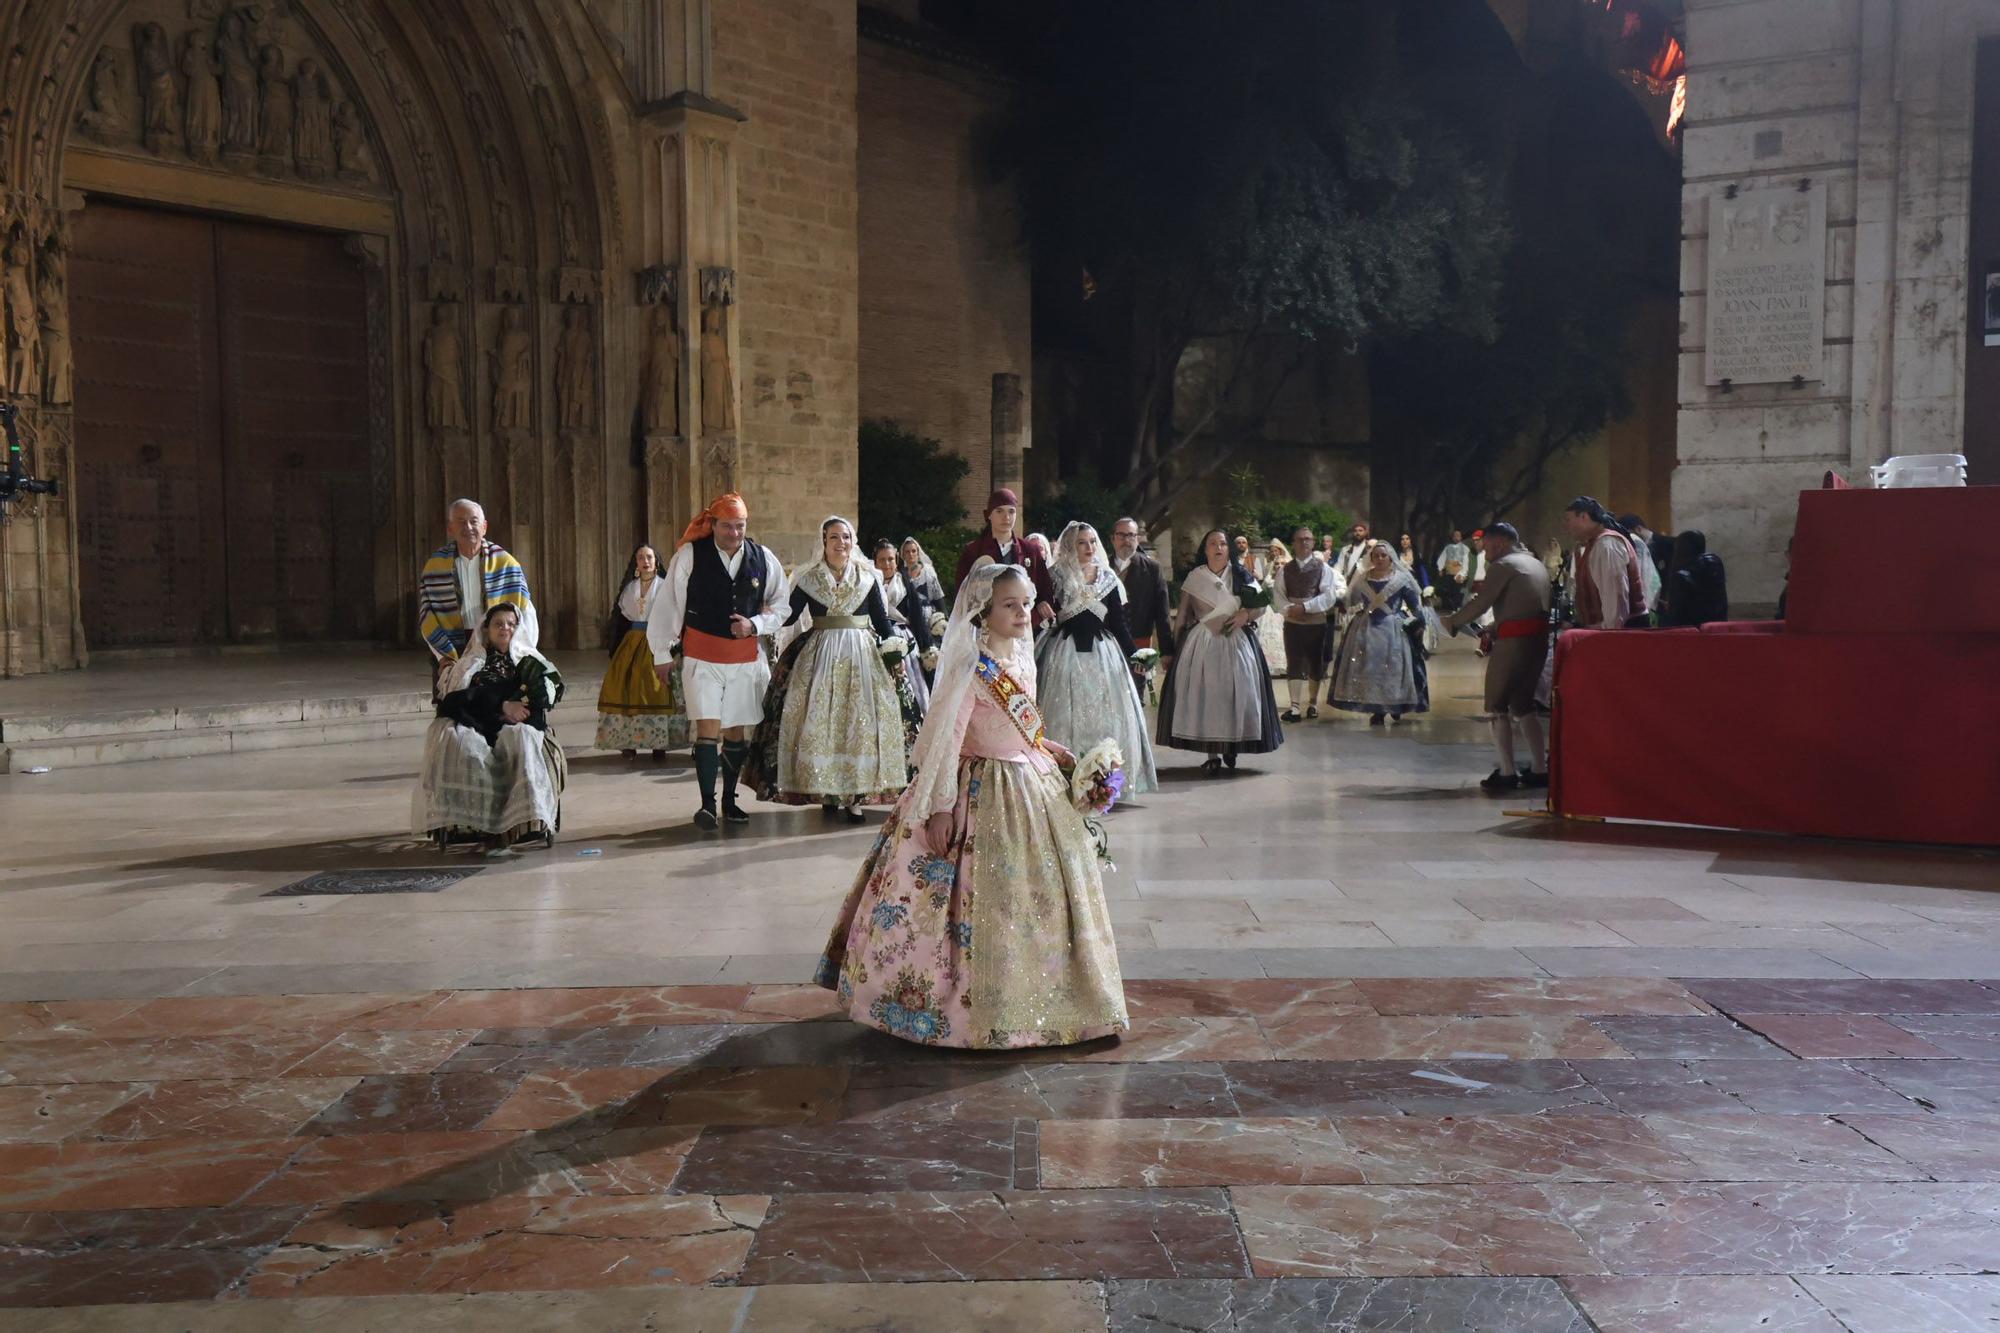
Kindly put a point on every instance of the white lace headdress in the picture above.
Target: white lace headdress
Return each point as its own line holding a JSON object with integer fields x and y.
{"x": 936, "y": 751}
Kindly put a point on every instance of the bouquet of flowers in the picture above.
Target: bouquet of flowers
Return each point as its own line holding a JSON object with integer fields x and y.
{"x": 1096, "y": 781}
{"x": 938, "y": 623}
{"x": 894, "y": 649}
{"x": 1144, "y": 662}
{"x": 930, "y": 660}
{"x": 1256, "y": 597}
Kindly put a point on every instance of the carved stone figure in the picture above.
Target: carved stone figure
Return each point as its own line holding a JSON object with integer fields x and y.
{"x": 203, "y": 130}
{"x": 58, "y": 372}
{"x": 6, "y": 142}
{"x": 350, "y": 145}
{"x": 312, "y": 139}
{"x": 718, "y": 397}
{"x": 444, "y": 370}
{"x": 506, "y": 228}
{"x": 239, "y": 84}
{"x": 567, "y": 232}
{"x": 104, "y": 116}
{"x": 576, "y": 370}
{"x": 159, "y": 95}
{"x": 660, "y": 408}
{"x": 513, "y": 371}
{"x": 274, "y": 112}
{"x": 24, "y": 330}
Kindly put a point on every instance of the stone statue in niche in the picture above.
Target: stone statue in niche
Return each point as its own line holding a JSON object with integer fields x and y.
{"x": 506, "y": 227}
{"x": 274, "y": 112}
{"x": 103, "y": 118}
{"x": 24, "y": 328}
{"x": 312, "y": 140}
{"x": 159, "y": 95}
{"x": 444, "y": 372}
{"x": 58, "y": 372}
{"x": 660, "y": 409}
{"x": 718, "y": 399}
{"x": 203, "y": 129}
{"x": 350, "y": 145}
{"x": 513, "y": 370}
{"x": 576, "y": 369}
{"x": 238, "y": 54}
{"x": 567, "y": 232}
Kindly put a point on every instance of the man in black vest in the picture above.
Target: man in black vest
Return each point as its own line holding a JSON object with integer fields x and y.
{"x": 724, "y": 592}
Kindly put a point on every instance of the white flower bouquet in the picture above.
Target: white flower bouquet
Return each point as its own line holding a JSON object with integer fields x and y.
{"x": 894, "y": 649}
{"x": 938, "y": 624}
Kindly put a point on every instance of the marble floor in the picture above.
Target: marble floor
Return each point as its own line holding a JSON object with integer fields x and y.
{"x": 1404, "y": 1057}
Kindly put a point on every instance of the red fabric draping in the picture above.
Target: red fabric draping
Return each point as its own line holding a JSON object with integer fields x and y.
{"x": 1919, "y": 561}
{"x": 1884, "y": 736}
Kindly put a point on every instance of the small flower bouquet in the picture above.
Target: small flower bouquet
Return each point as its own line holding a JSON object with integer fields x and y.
{"x": 1144, "y": 663}
{"x": 1095, "y": 784}
{"x": 894, "y": 649}
{"x": 1098, "y": 779}
{"x": 938, "y": 624}
{"x": 930, "y": 660}
{"x": 1256, "y": 597}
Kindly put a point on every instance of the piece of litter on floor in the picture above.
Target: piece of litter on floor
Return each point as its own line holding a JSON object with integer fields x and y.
{"x": 38, "y": 768}
{"x": 591, "y": 851}
{"x": 1453, "y": 1079}
{"x": 1478, "y": 1055}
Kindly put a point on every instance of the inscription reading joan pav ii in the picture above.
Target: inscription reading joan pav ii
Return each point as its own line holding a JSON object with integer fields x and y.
{"x": 1766, "y": 285}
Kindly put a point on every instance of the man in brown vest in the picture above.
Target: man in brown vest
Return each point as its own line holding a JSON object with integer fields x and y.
{"x": 1610, "y": 591}
{"x": 1516, "y": 590}
{"x": 1305, "y": 593}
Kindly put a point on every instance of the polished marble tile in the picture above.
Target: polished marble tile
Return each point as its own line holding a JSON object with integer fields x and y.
{"x": 1700, "y": 1305}
{"x": 1507, "y": 996}
{"x": 1967, "y": 1036}
{"x": 1949, "y": 1147}
{"x": 51, "y": 1112}
{"x": 218, "y": 1108}
{"x": 1840, "y": 1036}
{"x": 1002, "y": 1235}
{"x": 142, "y": 1255}
{"x": 1343, "y": 1305}
{"x": 851, "y": 1158}
{"x": 1900, "y": 1304}
{"x": 1687, "y": 1037}
{"x": 1415, "y": 1231}
{"x": 1101, "y": 1154}
{"x": 1955, "y": 1087}
{"x": 82, "y": 1175}
{"x": 414, "y": 1103}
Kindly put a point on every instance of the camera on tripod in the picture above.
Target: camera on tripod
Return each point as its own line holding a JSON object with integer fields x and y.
{"x": 15, "y": 481}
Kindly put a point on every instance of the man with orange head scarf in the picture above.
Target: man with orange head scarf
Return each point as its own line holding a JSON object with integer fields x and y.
{"x": 723, "y": 593}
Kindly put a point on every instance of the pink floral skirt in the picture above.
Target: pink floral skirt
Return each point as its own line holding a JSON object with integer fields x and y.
{"x": 1003, "y": 942}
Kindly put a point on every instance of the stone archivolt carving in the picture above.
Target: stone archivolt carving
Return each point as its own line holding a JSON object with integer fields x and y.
{"x": 512, "y": 360}
{"x": 274, "y": 110}
{"x": 510, "y": 283}
{"x": 576, "y": 370}
{"x": 237, "y": 50}
{"x": 351, "y": 150}
{"x": 444, "y": 371}
{"x": 577, "y": 286}
{"x": 659, "y": 284}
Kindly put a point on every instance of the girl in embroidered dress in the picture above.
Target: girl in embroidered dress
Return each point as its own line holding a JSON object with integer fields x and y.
{"x": 491, "y": 767}
{"x": 978, "y": 920}
{"x": 1380, "y": 670}
{"x": 1087, "y": 692}
{"x": 634, "y": 710}
{"x": 1217, "y": 696}
{"x": 834, "y": 725}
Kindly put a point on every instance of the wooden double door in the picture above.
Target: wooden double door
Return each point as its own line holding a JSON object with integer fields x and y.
{"x": 222, "y": 441}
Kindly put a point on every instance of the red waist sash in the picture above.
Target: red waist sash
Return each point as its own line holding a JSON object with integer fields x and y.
{"x": 711, "y": 648}
{"x": 1522, "y": 628}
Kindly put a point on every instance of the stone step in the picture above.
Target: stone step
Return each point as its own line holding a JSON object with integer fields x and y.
{"x": 252, "y": 728}
{"x": 124, "y": 723}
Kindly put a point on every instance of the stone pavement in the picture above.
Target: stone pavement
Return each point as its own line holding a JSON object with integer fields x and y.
{"x": 1399, "y": 1060}
{"x": 1519, "y": 1153}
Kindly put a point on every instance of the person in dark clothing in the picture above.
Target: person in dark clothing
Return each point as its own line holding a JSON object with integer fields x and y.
{"x": 1696, "y": 589}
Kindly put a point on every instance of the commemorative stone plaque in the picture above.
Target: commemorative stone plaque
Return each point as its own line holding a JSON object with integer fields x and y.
{"x": 1766, "y": 285}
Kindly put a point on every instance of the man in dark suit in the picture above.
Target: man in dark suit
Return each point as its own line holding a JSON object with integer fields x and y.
{"x": 1145, "y": 589}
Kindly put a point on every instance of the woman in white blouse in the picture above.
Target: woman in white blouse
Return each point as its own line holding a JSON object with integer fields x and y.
{"x": 634, "y": 710}
{"x": 1217, "y": 696}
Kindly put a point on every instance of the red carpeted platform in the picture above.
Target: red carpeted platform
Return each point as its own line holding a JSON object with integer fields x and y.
{"x": 1873, "y": 713}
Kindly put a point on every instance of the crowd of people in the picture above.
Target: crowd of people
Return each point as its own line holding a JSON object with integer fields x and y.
{"x": 846, "y": 683}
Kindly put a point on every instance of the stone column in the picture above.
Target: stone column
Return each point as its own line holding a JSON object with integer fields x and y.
{"x": 686, "y": 288}
{"x": 1010, "y": 433}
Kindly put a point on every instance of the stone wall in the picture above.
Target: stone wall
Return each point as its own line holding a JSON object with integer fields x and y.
{"x": 790, "y": 66}
{"x": 944, "y": 276}
{"x": 1873, "y": 99}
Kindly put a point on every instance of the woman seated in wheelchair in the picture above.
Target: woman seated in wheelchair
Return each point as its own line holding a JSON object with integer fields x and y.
{"x": 492, "y": 770}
